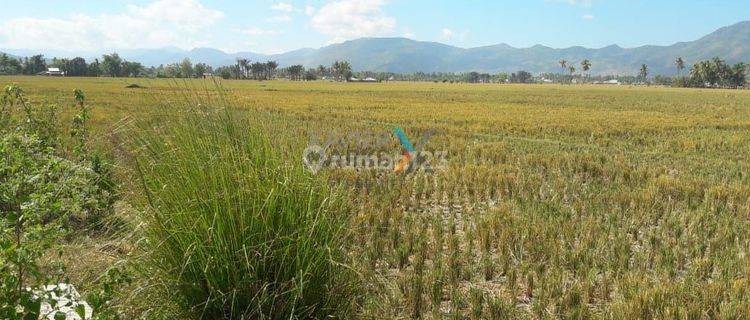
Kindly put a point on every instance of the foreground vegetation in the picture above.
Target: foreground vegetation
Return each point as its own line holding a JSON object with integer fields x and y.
{"x": 557, "y": 201}
{"x": 236, "y": 232}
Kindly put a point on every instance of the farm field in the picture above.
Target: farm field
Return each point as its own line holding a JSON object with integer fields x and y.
{"x": 555, "y": 201}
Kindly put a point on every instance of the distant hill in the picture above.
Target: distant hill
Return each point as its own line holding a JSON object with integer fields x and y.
{"x": 402, "y": 55}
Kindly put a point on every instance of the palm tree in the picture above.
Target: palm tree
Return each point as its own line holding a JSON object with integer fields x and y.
{"x": 586, "y": 65}
{"x": 271, "y": 67}
{"x": 643, "y": 74}
{"x": 258, "y": 70}
{"x": 346, "y": 69}
{"x": 703, "y": 73}
{"x": 572, "y": 70}
{"x": 322, "y": 70}
{"x": 564, "y": 65}
{"x": 239, "y": 68}
{"x": 296, "y": 71}
{"x": 680, "y": 65}
{"x": 242, "y": 67}
{"x": 342, "y": 69}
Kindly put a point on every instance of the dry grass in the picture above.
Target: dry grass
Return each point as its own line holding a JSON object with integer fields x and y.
{"x": 558, "y": 201}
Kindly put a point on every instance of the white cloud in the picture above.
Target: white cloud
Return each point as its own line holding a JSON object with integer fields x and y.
{"x": 309, "y": 10}
{"x": 255, "y": 31}
{"x": 446, "y": 33}
{"x": 180, "y": 23}
{"x": 349, "y": 19}
{"x": 588, "y": 17}
{"x": 280, "y": 18}
{"x": 282, "y": 6}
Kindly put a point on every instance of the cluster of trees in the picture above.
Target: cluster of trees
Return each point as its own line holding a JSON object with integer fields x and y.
{"x": 28, "y": 65}
{"x": 521, "y": 77}
{"x": 246, "y": 69}
{"x": 183, "y": 69}
{"x": 470, "y": 77}
{"x": 475, "y": 77}
{"x": 296, "y": 72}
{"x": 713, "y": 74}
{"x": 110, "y": 65}
{"x": 341, "y": 70}
{"x": 570, "y": 69}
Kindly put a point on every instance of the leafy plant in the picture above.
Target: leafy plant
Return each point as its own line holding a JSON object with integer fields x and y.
{"x": 41, "y": 196}
{"x": 31, "y": 180}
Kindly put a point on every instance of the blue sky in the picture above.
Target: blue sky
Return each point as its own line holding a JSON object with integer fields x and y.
{"x": 278, "y": 26}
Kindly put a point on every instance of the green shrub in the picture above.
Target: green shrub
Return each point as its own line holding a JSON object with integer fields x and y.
{"x": 42, "y": 197}
{"x": 40, "y": 194}
{"x": 238, "y": 233}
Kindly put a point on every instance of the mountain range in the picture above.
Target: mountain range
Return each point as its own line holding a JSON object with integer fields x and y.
{"x": 403, "y": 55}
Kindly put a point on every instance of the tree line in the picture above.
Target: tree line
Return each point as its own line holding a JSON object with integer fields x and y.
{"x": 114, "y": 66}
{"x": 714, "y": 73}
{"x": 246, "y": 69}
{"x": 110, "y": 65}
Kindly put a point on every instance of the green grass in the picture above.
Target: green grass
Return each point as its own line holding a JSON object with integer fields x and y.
{"x": 236, "y": 232}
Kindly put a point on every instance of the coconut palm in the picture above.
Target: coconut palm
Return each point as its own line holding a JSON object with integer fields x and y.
{"x": 586, "y": 65}
{"x": 295, "y": 72}
{"x": 242, "y": 67}
{"x": 342, "y": 69}
{"x": 680, "y": 65}
{"x": 270, "y": 68}
{"x": 564, "y": 65}
{"x": 258, "y": 70}
{"x": 572, "y": 71}
{"x": 643, "y": 74}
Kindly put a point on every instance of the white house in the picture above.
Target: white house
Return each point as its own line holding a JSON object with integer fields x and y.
{"x": 54, "y": 72}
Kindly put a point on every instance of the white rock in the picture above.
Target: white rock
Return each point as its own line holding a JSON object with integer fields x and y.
{"x": 67, "y": 300}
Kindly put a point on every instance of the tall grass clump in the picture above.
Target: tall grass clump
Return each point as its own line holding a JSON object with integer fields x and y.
{"x": 237, "y": 230}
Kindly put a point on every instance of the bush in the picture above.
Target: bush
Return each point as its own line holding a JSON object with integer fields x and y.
{"x": 40, "y": 194}
{"x": 42, "y": 197}
{"x": 238, "y": 233}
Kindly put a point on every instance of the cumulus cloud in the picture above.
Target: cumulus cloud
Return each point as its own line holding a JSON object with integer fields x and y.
{"x": 349, "y": 19}
{"x": 180, "y": 23}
